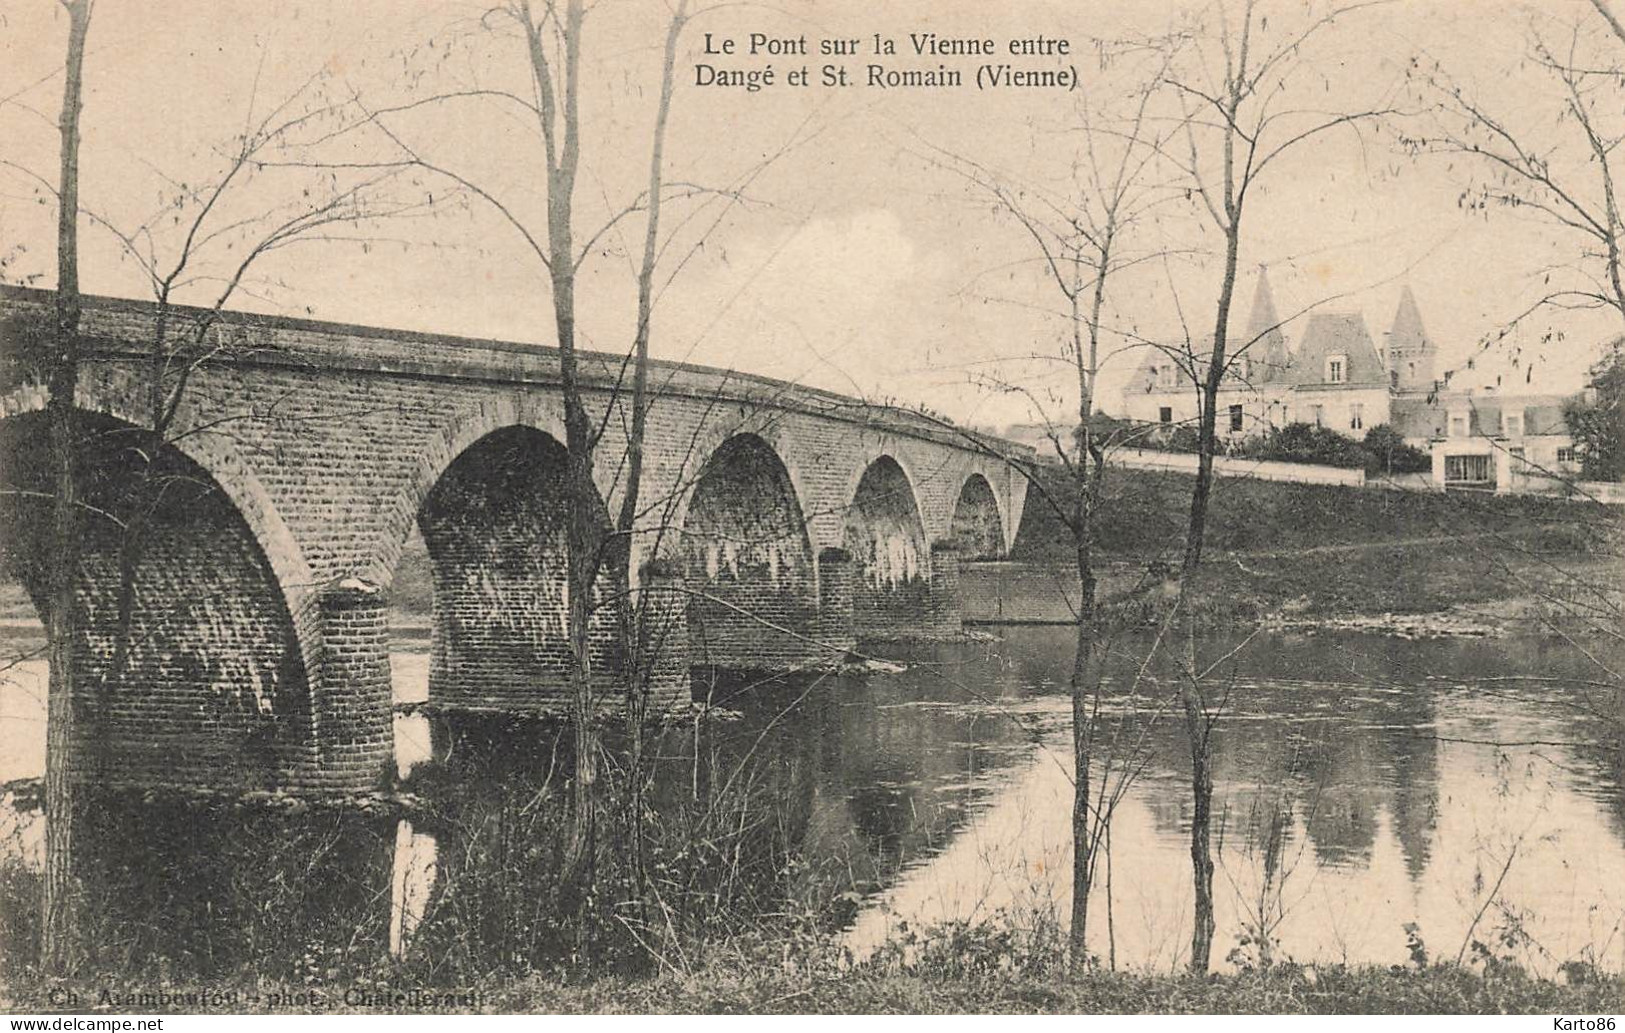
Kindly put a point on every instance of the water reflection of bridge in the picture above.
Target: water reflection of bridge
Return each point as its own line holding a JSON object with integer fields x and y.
{"x": 865, "y": 778}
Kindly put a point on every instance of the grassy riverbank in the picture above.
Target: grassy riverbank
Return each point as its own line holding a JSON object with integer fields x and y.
{"x": 1143, "y": 515}
{"x": 1278, "y": 551}
{"x": 1287, "y": 990}
{"x": 728, "y": 989}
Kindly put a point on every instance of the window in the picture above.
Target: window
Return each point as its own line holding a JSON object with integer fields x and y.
{"x": 1565, "y": 455}
{"x": 1319, "y": 413}
{"x": 1165, "y": 415}
{"x": 1165, "y": 376}
{"x": 1458, "y": 424}
{"x": 1467, "y": 469}
{"x": 1235, "y": 418}
{"x": 1512, "y": 424}
{"x": 1337, "y": 369}
{"x": 1356, "y": 416}
{"x": 1518, "y": 463}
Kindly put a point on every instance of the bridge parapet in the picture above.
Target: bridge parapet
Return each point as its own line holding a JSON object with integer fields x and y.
{"x": 123, "y": 326}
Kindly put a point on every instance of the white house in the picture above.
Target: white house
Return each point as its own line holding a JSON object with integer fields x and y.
{"x": 1336, "y": 377}
{"x": 1512, "y": 443}
{"x": 1486, "y": 426}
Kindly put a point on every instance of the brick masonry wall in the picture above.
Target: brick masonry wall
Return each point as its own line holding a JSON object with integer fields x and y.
{"x": 328, "y": 441}
{"x": 662, "y": 604}
{"x": 976, "y": 528}
{"x": 748, "y": 564}
{"x": 835, "y": 625}
{"x": 495, "y": 525}
{"x": 213, "y": 693}
{"x": 946, "y": 617}
{"x": 891, "y": 593}
{"x": 356, "y": 718}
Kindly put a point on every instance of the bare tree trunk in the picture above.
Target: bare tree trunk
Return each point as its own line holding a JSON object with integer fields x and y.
{"x": 1197, "y": 726}
{"x": 1082, "y": 842}
{"x": 634, "y": 633}
{"x": 1086, "y": 495}
{"x": 1197, "y": 732}
{"x": 560, "y": 117}
{"x": 584, "y": 536}
{"x": 58, "y": 924}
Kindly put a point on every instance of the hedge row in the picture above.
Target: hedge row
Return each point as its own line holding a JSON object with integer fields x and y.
{"x": 1383, "y": 451}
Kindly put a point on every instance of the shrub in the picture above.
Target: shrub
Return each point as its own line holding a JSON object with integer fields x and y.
{"x": 1387, "y": 453}
{"x": 1183, "y": 438}
{"x": 1306, "y": 443}
{"x": 1382, "y": 451}
{"x": 1596, "y": 419}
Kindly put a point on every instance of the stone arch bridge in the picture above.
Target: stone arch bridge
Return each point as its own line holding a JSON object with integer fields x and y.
{"x": 781, "y": 525}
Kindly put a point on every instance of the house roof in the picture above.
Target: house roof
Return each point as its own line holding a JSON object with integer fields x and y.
{"x": 1144, "y": 380}
{"x": 1427, "y": 417}
{"x": 1337, "y": 333}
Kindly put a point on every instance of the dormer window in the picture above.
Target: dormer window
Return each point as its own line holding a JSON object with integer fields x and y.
{"x": 1337, "y": 367}
{"x": 1512, "y": 424}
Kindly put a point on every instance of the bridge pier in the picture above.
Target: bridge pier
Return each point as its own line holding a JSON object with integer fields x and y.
{"x": 354, "y": 718}
{"x": 664, "y": 605}
{"x": 835, "y": 625}
{"x": 946, "y": 615}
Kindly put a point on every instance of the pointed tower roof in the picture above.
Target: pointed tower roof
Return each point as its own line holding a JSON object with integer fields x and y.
{"x": 1408, "y": 334}
{"x": 1268, "y": 351}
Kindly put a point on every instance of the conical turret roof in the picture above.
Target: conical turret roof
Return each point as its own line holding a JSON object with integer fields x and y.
{"x": 1268, "y": 348}
{"x": 1408, "y": 335}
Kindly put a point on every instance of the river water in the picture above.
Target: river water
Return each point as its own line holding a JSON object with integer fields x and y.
{"x": 1374, "y": 797}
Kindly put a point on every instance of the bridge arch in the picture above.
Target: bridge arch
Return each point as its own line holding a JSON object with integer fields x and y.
{"x": 217, "y": 687}
{"x": 977, "y": 529}
{"x": 747, "y": 559}
{"x": 891, "y": 554}
{"x": 120, "y": 397}
{"x": 772, "y": 434}
{"x": 450, "y": 440}
{"x": 495, "y": 524}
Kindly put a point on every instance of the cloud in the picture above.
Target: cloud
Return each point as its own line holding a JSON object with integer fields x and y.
{"x": 841, "y": 291}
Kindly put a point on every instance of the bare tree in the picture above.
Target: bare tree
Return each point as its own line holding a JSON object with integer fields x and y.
{"x": 217, "y": 244}
{"x": 635, "y": 632}
{"x": 57, "y": 927}
{"x": 1555, "y": 159}
{"x": 1083, "y": 237}
{"x": 553, "y": 38}
{"x": 1555, "y": 154}
{"x": 1235, "y": 124}
{"x": 270, "y": 194}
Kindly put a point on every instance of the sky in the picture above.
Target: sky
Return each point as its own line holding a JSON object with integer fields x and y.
{"x": 855, "y": 258}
